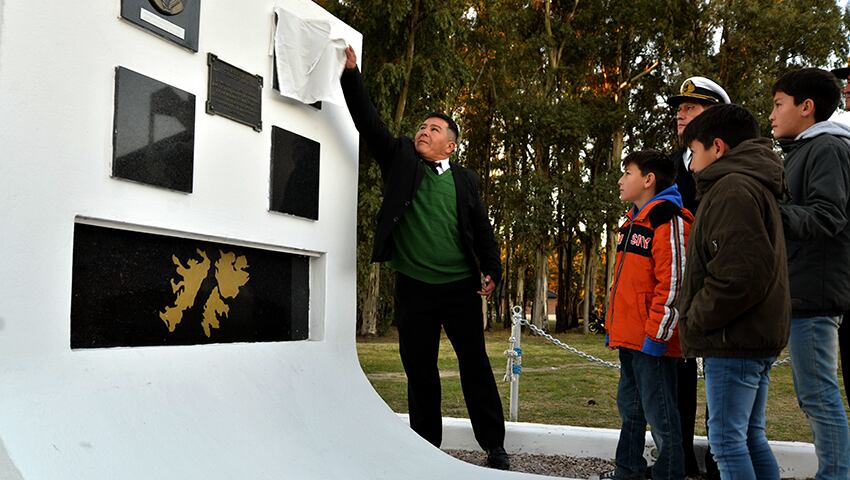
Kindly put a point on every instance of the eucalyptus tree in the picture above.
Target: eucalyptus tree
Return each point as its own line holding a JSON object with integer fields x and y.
{"x": 758, "y": 40}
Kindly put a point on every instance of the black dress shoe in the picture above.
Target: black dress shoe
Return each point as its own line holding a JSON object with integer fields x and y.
{"x": 498, "y": 458}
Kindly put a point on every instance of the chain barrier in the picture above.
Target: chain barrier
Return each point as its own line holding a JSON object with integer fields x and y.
{"x": 514, "y": 353}
{"x": 542, "y": 333}
{"x": 784, "y": 361}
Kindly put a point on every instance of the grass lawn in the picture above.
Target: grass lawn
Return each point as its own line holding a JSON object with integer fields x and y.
{"x": 556, "y": 386}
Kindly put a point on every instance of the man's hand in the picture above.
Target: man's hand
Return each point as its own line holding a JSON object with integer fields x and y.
{"x": 350, "y": 58}
{"x": 487, "y": 287}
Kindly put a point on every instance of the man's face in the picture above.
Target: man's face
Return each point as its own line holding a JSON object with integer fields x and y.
{"x": 787, "y": 119}
{"x": 434, "y": 141}
{"x": 686, "y": 112}
{"x": 703, "y": 157}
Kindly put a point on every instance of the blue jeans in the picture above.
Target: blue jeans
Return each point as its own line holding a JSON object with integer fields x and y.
{"x": 647, "y": 393}
{"x": 736, "y": 391}
{"x": 814, "y": 364}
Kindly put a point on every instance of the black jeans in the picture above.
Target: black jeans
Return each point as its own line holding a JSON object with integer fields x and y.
{"x": 421, "y": 310}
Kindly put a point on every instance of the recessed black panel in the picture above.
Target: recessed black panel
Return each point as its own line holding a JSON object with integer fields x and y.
{"x": 137, "y": 289}
{"x": 295, "y": 174}
{"x": 174, "y": 20}
{"x": 234, "y": 93}
{"x": 153, "y": 138}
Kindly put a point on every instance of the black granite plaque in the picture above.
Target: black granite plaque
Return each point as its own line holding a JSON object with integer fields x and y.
{"x": 234, "y": 93}
{"x": 153, "y": 139}
{"x": 174, "y": 20}
{"x": 136, "y": 289}
{"x": 294, "y": 174}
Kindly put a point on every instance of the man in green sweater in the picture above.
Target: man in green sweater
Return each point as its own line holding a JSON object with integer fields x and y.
{"x": 434, "y": 231}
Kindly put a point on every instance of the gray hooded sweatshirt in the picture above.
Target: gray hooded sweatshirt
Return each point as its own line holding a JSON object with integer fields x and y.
{"x": 815, "y": 215}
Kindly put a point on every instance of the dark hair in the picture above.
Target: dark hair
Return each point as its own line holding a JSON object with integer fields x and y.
{"x": 653, "y": 161}
{"x": 818, "y": 85}
{"x": 731, "y": 123}
{"x": 452, "y": 125}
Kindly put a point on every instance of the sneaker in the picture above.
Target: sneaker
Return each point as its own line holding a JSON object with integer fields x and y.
{"x": 498, "y": 458}
{"x": 611, "y": 475}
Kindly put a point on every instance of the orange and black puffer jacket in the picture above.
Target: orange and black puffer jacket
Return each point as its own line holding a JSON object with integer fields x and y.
{"x": 648, "y": 271}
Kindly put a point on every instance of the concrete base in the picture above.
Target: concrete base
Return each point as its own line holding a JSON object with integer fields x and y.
{"x": 796, "y": 459}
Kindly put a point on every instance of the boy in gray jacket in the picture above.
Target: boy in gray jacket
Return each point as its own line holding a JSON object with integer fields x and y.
{"x": 815, "y": 217}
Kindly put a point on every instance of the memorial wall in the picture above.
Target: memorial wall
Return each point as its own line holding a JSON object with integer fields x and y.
{"x": 178, "y": 244}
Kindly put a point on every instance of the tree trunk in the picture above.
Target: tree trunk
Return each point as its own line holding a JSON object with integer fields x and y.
{"x": 611, "y": 228}
{"x": 565, "y": 317}
{"x": 369, "y": 319}
{"x": 560, "y": 304}
{"x": 408, "y": 68}
{"x": 484, "y": 313}
{"x": 506, "y": 288}
{"x": 591, "y": 260}
{"x": 610, "y": 256}
{"x": 541, "y": 274}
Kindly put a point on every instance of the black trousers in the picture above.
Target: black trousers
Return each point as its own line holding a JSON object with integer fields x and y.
{"x": 687, "y": 398}
{"x": 687, "y": 402}
{"x": 421, "y": 310}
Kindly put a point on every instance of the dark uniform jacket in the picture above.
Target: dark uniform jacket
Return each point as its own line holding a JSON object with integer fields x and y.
{"x": 402, "y": 171}
{"x": 815, "y": 214}
{"x": 685, "y": 182}
{"x": 735, "y": 300}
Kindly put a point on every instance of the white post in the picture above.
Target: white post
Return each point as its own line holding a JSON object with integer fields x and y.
{"x": 516, "y": 334}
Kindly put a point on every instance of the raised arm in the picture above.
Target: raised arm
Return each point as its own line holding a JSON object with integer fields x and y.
{"x": 374, "y": 131}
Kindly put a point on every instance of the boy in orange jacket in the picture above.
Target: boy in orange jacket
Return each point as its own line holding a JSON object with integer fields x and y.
{"x": 642, "y": 320}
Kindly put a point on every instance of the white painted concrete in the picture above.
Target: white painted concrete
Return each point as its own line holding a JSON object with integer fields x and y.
{"x": 299, "y": 410}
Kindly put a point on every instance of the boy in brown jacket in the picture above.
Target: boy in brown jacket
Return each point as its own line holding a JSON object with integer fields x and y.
{"x": 735, "y": 305}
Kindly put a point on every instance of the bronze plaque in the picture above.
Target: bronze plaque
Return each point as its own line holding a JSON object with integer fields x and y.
{"x": 234, "y": 93}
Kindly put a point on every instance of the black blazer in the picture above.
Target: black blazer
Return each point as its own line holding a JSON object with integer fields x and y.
{"x": 402, "y": 171}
